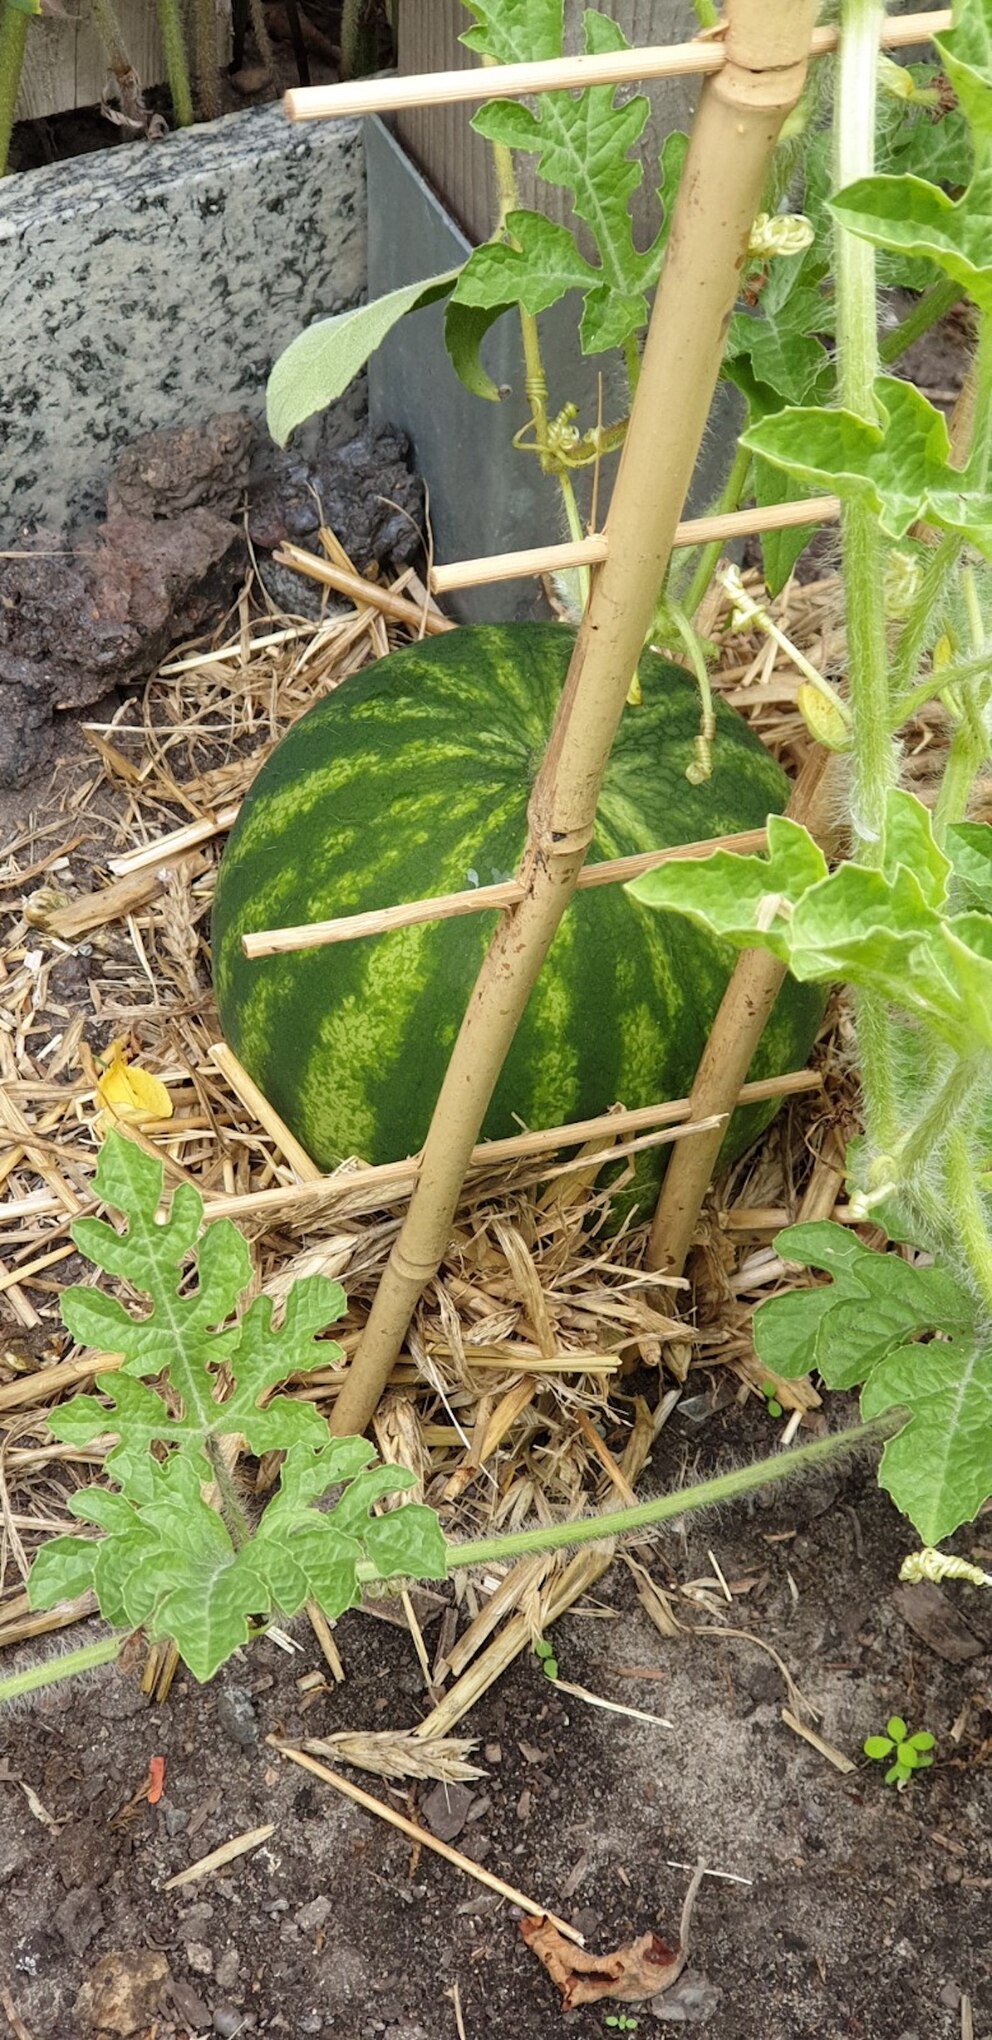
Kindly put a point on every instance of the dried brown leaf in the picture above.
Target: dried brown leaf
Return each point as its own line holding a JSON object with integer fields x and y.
{"x": 630, "y": 1974}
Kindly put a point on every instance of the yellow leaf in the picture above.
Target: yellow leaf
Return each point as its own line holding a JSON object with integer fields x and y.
{"x": 130, "y": 1094}
{"x": 823, "y": 720}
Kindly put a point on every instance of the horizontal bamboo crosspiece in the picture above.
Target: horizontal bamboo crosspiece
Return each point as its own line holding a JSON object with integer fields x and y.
{"x": 386, "y": 1182}
{"x": 700, "y": 58}
{"x": 477, "y": 899}
{"x": 592, "y": 551}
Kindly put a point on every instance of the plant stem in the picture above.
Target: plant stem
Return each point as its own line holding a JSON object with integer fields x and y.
{"x": 535, "y": 382}
{"x": 707, "y": 1494}
{"x": 969, "y": 744}
{"x": 965, "y": 756}
{"x": 358, "y": 52}
{"x": 13, "y": 41}
{"x": 934, "y": 304}
{"x": 205, "y": 58}
{"x": 964, "y": 1084}
{"x": 971, "y": 1232}
{"x": 874, "y": 752}
{"x": 108, "y": 29}
{"x": 857, "y": 366}
{"x": 938, "y": 684}
{"x": 235, "y": 1520}
{"x": 632, "y": 363}
{"x": 51, "y": 1670}
{"x": 922, "y": 625}
{"x": 729, "y": 499}
{"x": 170, "y": 28}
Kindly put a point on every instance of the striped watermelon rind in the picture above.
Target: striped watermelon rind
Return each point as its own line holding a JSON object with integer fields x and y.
{"x": 412, "y": 779}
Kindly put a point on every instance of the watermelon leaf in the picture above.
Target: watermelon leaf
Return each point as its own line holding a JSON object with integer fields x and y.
{"x": 177, "y": 1554}
{"x": 583, "y": 143}
{"x": 465, "y": 328}
{"x": 314, "y": 369}
{"x": 900, "y": 466}
{"x": 883, "y": 929}
{"x": 969, "y": 846}
{"x": 873, "y": 1326}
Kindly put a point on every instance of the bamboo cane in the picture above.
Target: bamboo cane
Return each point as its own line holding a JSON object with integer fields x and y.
{"x": 700, "y": 57}
{"x": 480, "y": 899}
{"x": 362, "y": 592}
{"x": 740, "y": 113}
{"x": 726, "y": 1059}
{"x": 591, "y": 552}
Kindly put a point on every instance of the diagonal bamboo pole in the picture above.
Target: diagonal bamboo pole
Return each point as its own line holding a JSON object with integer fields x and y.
{"x": 734, "y": 1036}
{"x": 740, "y": 113}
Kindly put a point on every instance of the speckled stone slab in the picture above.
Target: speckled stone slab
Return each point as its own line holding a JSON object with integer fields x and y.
{"x": 155, "y": 285}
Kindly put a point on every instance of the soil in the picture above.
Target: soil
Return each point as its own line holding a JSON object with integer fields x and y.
{"x": 862, "y": 1911}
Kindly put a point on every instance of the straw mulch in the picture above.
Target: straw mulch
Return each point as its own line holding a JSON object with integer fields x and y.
{"x": 514, "y": 1399}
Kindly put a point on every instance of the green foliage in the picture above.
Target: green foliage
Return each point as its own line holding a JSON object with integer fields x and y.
{"x": 320, "y": 363}
{"x": 915, "y": 1339}
{"x": 583, "y": 143}
{"x": 909, "y": 1752}
{"x": 177, "y": 1555}
{"x": 546, "y": 1658}
{"x": 900, "y": 465}
{"x": 890, "y": 930}
{"x": 778, "y": 347}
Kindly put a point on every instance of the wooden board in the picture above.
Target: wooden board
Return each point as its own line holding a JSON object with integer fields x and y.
{"x": 456, "y": 162}
{"x": 65, "y": 63}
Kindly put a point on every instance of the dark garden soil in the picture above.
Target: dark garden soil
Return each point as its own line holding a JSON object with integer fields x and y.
{"x": 864, "y": 1912}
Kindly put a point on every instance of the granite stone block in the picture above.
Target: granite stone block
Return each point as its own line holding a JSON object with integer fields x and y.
{"x": 154, "y": 285}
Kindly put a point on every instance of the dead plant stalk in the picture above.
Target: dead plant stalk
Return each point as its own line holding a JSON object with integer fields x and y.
{"x": 740, "y": 113}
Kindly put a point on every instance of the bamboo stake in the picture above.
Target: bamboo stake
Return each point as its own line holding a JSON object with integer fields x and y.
{"x": 366, "y": 593}
{"x": 390, "y": 1180}
{"x": 477, "y": 899}
{"x": 701, "y": 58}
{"x": 734, "y": 1036}
{"x": 550, "y": 559}
{"x": 734, "y": 132}
{"x": 257, "y": 1106}
{"x": 516, "y": 566}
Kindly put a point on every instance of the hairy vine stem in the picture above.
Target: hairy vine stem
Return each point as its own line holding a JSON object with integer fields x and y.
{"x": 874, "y": 750}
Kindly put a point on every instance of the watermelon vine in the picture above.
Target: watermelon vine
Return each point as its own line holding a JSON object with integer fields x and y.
{"x": 182, "y": 1552}
{"x": 907, "y": 921}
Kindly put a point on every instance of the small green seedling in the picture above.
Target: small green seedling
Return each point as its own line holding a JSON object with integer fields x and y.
{"x": 621, "y": 2022}
{"x": 772, "y": 1404}
{"x": 909, "y": 1753}
{"x": 546, "y": 1658}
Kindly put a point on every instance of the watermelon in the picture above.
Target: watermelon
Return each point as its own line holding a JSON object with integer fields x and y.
{"x": 413, "y": 779}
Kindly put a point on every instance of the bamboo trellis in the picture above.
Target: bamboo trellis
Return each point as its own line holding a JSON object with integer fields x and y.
{"x": 704, "y": 56}
{"x": 754, "y": 75}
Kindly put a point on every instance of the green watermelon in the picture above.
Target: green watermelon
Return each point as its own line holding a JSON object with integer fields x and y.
{"x": 413, "y": 779}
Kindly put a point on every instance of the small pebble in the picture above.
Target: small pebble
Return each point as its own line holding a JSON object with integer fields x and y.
{"x": 228, "y": 2021}
{"x": 199, "y": 1958}
{"x": 313, "y": 1915}
{"x": 236, "y": 1715}
{"x": 228, "y": 1969}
